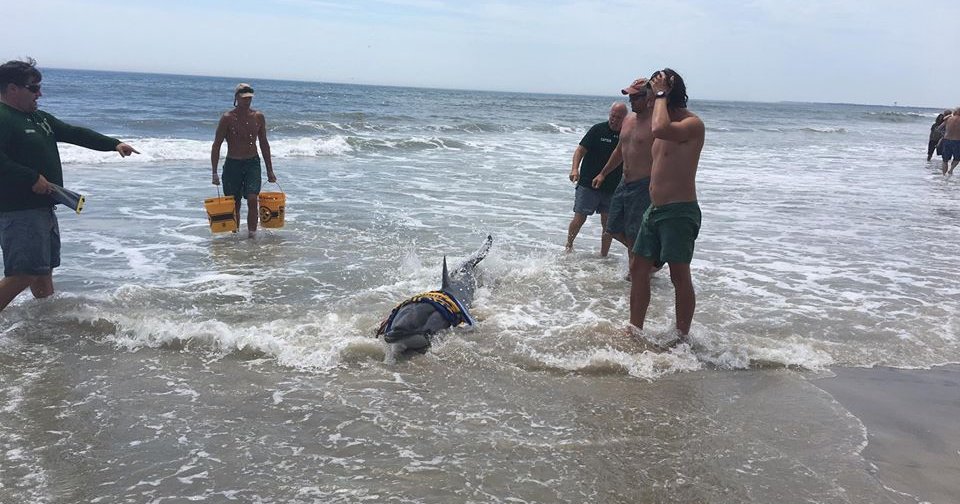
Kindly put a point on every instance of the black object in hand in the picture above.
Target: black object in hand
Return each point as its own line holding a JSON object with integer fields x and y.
{"x": 67, "y": 197}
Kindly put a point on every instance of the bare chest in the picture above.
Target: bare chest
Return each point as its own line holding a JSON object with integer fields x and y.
{"x": 638, "y": 137}
{"x": 243, "y": 129}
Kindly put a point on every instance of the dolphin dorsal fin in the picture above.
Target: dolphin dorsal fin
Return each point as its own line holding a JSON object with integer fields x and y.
{"x": 445, "y": 284}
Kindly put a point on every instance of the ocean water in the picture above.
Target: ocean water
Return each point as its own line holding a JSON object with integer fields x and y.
{"x": 174, "y": 365}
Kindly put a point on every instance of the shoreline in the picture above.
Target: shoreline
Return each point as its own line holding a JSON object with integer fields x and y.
{"x": 910, "y": 417}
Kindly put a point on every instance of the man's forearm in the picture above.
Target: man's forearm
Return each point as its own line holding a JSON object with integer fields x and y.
{"x": 661, "y": 116}
{"x": 577, "y": 158}
{"x": 616, "y": 158}
{"x": 10, "y": 170}
{"x": 267, "y": 158}
{"x": 215, "y": 155}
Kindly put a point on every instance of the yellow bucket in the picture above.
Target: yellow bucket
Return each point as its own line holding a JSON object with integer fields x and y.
{"x": 222, "y": 213}
{"x": 272, "y": 206}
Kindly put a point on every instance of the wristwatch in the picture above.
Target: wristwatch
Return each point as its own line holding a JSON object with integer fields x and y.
{"x": 661, "y": 94}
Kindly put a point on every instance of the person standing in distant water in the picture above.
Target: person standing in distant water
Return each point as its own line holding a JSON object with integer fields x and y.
{"x": 632, "y": 196}
{"x": 29, "y": 163}
{"x": 936, "y": 134}
{"x": 672, "y": 222}
{"x": 951, "y": 141}
{"x": 242, "y": 127}
{"x": 594, "y": 150}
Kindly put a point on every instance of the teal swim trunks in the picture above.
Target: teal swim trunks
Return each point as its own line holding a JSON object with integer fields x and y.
{"x": 241, "y": 177}
{"x": 668, "y": 232}
{"x": 628, "y": 206}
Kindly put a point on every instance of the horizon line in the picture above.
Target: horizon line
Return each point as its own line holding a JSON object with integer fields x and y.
{"x": 894, "y": 105}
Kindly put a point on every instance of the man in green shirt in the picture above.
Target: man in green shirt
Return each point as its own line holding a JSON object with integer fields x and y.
{"x": 592, "y": 153}
{"x": 29, "y": 163}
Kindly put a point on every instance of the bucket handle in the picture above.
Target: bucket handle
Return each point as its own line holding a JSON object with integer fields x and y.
{"x": 278, "y": 185}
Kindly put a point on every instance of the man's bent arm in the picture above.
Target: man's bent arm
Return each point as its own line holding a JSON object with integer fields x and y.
{"x": 11, "y": 170}
{"x": 265, "y": 146}
{"x": 616, "y": 158}
{"x": 675, "y": 131}
{"x": 217, "y": 142}
{"x": 577, "y": 158}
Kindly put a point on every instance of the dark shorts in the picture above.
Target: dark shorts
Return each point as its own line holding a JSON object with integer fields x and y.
{"x": 951, "y": 149}
{"x": 668, "y": 233}
{"x": 30, "y": 240}
{"x": 629, "y": 202}
{"x": 241, "y": 177}
{"x": 934, "y": 145}
{"x": 590, "y": 200}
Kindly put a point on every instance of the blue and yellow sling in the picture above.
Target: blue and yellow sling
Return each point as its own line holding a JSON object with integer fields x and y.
{"x": 446, "y": 304}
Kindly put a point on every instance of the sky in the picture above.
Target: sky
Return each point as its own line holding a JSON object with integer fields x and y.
{"x": 850, "y": 51}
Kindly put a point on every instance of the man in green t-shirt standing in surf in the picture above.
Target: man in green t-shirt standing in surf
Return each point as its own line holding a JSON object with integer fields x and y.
{"x": 29, "y": 164}
{"x": 242, "y": 128}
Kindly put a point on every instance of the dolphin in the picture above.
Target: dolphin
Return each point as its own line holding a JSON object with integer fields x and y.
{"x": 412, "y": 324}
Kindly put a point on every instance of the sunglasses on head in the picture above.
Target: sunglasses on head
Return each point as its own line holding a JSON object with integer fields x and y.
{"x": 33, "y": 88}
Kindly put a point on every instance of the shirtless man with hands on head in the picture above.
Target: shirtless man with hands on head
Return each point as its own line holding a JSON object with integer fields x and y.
{"x": 671, "y": 224}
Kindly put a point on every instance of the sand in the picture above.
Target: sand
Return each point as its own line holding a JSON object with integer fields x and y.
{"x": 912, "y": 419}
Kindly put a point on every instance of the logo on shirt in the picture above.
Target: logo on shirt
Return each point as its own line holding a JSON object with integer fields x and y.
{"x": 45, "y": 126}
{"x": 40, "y": 121}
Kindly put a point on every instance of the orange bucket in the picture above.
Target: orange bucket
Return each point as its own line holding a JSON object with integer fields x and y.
{"x": 222, "y": 214}
{"x": 272, "y": 207}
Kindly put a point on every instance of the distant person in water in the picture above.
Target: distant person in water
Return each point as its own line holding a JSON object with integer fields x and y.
{"x": 672, "y": 222}
{"x": 588, "y": 159}
{"x": 936, "y": 134}
{"x": 29, "y": 163}
{"x": 951, "y": 141}
{"x": 242, "y": 128}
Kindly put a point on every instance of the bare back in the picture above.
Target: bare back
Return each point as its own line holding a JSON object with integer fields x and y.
{"x": 674, "y": 173}
{"x": 952, "y": 131}
{"x": 636, "y": 140}
{"x": 241, "y": 128}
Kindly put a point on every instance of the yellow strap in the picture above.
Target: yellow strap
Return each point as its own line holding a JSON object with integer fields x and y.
{"x": 438, "y": 297}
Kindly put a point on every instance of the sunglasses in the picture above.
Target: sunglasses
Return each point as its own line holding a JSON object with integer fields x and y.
{"x": 638, "y": 95}
{"x": 33, "y": 88}
{"x": 245, "y": 90}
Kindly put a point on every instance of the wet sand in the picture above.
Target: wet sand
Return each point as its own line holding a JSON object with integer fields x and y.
{"x": 911, "y": 417}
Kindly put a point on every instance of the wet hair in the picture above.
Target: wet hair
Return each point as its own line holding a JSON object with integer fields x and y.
{"x": 678, "y": 89}
{"x": 19, "y": 73}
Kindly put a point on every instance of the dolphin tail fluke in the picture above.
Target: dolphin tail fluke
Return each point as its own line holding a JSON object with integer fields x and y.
{"x": 477, "y": 256}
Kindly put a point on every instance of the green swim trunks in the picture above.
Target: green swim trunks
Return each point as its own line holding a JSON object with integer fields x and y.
{"x": 668, "y": 232}
{"x": 241, "y": 177}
